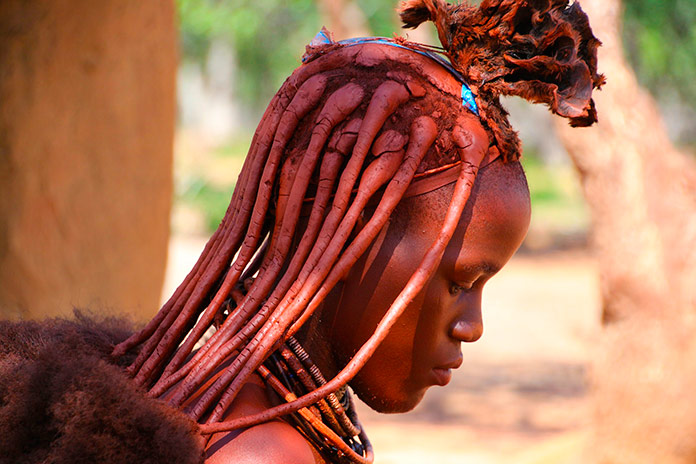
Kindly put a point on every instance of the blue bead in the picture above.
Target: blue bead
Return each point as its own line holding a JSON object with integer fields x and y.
{"x": 468, "y": 98}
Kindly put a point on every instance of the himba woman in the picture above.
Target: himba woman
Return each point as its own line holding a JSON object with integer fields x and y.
{"x": 381, "y": 191}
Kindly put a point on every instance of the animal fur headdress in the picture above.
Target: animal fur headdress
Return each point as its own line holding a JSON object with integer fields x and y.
{"x": 541, "y": 50}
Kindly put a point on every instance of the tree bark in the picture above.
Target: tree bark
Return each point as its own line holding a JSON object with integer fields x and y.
{"x": 343, "y": 18}
{"x": 87, "y": 102}
{"x": 641, "y": 192}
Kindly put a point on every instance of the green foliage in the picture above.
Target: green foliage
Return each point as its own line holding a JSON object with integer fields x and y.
{"x": 205, "y": 179}
{"x": 660, "y": 41}
{"x": 208, "y": 200}
{"x": 557, "y": 202}
{"x": 381, "y": 16}
{"x": 268, "y": 37}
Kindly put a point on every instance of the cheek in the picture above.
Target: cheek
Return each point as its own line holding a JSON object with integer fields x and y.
{"x": 391, "y": 380}
{"x": 360, "y": 312}
{"x": 430, "y": 325}
{"x": 403, "y": 342}
{"x": 408, "y": 349}
{"x": 374, "y": 283}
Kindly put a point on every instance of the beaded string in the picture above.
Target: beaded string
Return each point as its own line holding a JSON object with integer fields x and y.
{"x": 330, "y": 424}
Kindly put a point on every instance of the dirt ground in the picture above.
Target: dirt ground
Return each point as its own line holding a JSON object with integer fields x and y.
{"x": 522, "y": 394}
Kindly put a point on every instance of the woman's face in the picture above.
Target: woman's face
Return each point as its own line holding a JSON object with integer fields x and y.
{"x": 423, "y": 346}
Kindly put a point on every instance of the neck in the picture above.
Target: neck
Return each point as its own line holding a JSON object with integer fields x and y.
{"x": 315, "y": 339}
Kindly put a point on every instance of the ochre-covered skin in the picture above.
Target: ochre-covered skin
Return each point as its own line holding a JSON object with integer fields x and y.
{"x": 424, "y": 345}
{"x": 423, "y": 348}
{"x": 361, "y": 229}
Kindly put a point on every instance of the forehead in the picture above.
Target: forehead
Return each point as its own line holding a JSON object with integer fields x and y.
{"x": 497, "y": 186}
{"x": 497, "y": 212}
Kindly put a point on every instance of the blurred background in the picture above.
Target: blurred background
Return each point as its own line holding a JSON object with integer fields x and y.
{"x": 235, "y": 55}
{"x": 524, "y": 392}
{"x": 124, "y": 124}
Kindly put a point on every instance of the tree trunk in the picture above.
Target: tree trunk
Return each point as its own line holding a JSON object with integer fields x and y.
{"x": 343, "y": 18}
{"x": 641, "y": 192}
{"x": 86, "y": 131}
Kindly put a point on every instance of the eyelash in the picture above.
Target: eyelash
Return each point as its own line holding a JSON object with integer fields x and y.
{"x": 455, "y": 288}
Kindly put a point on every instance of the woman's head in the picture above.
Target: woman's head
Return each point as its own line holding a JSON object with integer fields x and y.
{"x": 351, "y": 133}
{"x": 424, "y": 345}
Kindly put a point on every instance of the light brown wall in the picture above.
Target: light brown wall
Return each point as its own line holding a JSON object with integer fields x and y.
{"x": 87, "y": 107}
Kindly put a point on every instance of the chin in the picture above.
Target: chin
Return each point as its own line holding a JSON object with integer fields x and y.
{"x": 389, "y": 404}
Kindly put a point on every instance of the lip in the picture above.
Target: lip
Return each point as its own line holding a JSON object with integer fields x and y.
{"x": 443, "y": 374}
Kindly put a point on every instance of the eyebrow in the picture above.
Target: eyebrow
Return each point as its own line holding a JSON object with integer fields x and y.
{"x": 484, "y": 267}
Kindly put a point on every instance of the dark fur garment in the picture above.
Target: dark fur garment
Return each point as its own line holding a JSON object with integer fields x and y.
{"x": 63, "y": 401}
{"x": 541, "y": 50}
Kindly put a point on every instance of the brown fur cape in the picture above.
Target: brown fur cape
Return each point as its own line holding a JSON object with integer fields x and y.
{"x": 63, "y": 400}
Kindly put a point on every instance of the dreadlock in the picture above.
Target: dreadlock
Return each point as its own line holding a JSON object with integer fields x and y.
{"x": 351, "y": 130}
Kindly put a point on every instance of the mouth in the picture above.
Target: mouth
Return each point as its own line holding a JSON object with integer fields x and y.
{"x": 442, "y": 375}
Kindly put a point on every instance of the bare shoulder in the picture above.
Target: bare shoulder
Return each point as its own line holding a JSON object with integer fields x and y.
{"x": 271, "y": 443}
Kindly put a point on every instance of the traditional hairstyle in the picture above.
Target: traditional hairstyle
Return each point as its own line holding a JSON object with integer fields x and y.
{"x": 540, "y": 50}
{"x": 358, "y": 125}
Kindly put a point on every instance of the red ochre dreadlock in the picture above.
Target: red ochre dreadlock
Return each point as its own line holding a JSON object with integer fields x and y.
{"x": 348, "y": 133}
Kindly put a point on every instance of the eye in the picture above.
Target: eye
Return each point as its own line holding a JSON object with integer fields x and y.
{"x": 458, "y": 287}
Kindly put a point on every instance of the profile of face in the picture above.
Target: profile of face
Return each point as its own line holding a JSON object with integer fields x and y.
{"x": 424, "y": 345}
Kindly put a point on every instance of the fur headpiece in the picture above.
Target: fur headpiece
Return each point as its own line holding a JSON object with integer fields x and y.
{"x": 541, "y": 50}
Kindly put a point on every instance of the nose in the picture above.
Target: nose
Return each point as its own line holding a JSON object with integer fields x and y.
{"x": 468, "y": 326}
{"x": 467, "y": 330}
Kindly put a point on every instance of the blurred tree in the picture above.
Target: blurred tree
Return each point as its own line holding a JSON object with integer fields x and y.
{"x": 268, "y": 37}
{"x": 660, "y": 41}
{"x": 87, "y": 102}
{"x": 641, "y": 192}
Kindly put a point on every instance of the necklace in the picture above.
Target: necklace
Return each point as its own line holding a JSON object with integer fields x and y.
{"x": 331, "y": 425}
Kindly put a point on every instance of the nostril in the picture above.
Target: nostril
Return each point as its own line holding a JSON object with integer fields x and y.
{"x": 467, "y": 331}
